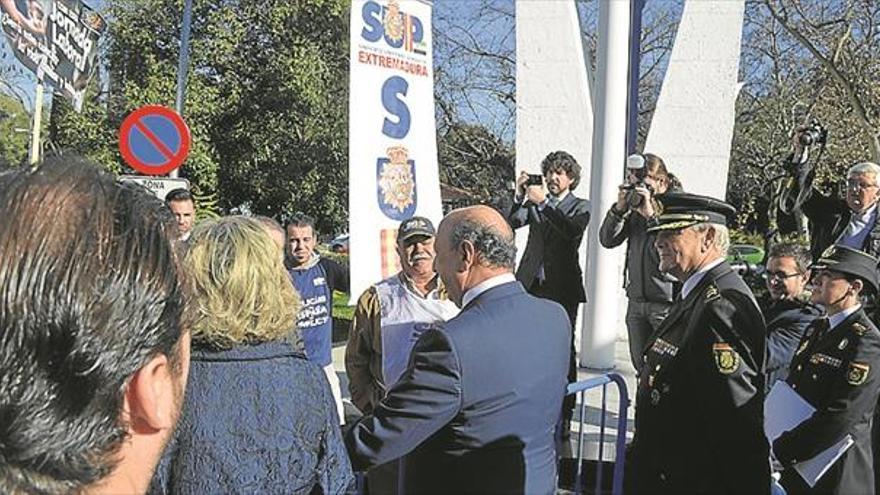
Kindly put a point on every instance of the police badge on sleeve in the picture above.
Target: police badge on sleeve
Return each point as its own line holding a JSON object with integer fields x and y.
{"x": 726, "y": 358}
{"x": 857, "y": 373}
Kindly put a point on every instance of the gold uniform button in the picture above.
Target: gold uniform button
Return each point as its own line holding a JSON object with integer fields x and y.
{"x": 815, "y": 377}
{"x": 800, "y": 367}
{"x": 662, "y": 476}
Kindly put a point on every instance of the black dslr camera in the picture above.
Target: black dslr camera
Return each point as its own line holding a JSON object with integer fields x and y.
{"x": 636, "y": 165}
{"x": 813, "y": 134}
{"x": 535, "y": 180}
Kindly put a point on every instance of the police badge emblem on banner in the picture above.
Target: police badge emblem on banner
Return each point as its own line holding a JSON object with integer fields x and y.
{"x": 396, "y": 184}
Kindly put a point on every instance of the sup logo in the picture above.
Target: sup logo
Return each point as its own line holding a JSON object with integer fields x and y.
{"x": 399, "y": 29}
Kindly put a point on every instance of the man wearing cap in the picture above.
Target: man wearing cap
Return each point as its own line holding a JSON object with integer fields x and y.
{"x": 835, "y": 369}
{"x": 388, "y": 320}
{"x": 700, "y": 397}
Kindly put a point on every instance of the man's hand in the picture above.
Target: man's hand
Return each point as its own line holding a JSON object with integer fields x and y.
{"x": 521, "y": 183}
{"x": 536, "y": 194}
{"x": 646, "y": 209}
{"x": 621, "y": 205}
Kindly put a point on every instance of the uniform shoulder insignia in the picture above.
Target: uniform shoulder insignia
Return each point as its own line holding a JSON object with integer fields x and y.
{"x": 857, "y": 374}
{"x": 828, "y": 253}
{"x": 712, "y": 293}
{"x": 859, "y": 329}
{"x": 726, "y": 358}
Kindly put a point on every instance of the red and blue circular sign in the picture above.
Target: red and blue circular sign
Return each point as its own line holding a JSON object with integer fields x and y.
{"x": 154, "y": 140}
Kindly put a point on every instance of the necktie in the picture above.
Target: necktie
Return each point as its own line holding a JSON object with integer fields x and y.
{"x": 822, "y": 325}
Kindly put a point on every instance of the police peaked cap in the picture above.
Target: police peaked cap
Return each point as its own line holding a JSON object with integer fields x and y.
{"x": 682, "y": 210}
{"x": 850, "y": 261}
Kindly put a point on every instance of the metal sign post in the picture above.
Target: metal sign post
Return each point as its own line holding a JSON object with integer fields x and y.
{"x": 183, "y": 63}
{"x": 37, "y": 124}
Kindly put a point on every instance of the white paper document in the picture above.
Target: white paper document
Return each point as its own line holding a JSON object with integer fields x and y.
{"x": 784, "y": 409}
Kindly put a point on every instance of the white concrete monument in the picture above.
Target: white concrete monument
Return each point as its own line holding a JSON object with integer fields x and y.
{"x": 692, "y": 127}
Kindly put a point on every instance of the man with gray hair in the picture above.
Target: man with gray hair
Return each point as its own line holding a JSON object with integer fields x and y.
{"x": 700, "y": 398}
{"x": 851, "y": 221}
{"x": 476, "y": 408}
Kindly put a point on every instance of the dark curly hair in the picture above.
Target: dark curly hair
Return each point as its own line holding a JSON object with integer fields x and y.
{"x": 562, "y": 161}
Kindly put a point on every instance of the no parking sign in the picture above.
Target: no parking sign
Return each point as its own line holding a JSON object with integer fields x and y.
{"x": 154, "y": 140}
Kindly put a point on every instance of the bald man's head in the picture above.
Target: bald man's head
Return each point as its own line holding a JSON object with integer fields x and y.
{"x": 473, "y": 244}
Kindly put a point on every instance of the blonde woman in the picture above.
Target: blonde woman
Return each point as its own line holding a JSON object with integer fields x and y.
{"x": 258, "y": 416}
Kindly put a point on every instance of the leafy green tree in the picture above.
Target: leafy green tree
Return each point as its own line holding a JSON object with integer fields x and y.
{"x": 14, "y": 130}
{"x": 266, "y": 100}
{"x": 476, "y": 161}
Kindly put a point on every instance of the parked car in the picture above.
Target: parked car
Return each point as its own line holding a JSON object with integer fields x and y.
{"x": 746, "y": 252}
{"x": 339, "y": 244}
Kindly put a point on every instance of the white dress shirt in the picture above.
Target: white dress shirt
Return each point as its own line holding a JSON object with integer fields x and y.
{"x": 485, "y": 285}
{"x": 694, "y": 279}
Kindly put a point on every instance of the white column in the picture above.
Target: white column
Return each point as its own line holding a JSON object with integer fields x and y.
{"x": 609, "y": 153}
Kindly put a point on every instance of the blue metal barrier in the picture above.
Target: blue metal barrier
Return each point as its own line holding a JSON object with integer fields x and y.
{"x": 581, "y": 388}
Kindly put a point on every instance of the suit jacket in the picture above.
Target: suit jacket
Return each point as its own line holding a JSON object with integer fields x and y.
{"x": 700, "y": 400}
{"x": 837, "y": 372}
{"x": 828, "y": 216}
{"x": 787, "y": 321}
{"x": 555, "y": 235}
{"x": 476, "y": 409}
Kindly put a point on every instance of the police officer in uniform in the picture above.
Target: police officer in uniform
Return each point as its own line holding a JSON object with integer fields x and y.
{"x": 836, "y": 370}
{"x": 700, "y": 398}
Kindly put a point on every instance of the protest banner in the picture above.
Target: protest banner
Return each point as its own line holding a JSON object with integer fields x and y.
{"x": 393, "y": 172}
{"x": 56, "y": 39}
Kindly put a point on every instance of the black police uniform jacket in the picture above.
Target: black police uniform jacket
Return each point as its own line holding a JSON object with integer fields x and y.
{"x": 700, "y": 399}
{"x": 836, "y": 371}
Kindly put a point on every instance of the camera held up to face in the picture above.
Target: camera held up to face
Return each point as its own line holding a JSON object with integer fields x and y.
{"x": 638, "y": 168}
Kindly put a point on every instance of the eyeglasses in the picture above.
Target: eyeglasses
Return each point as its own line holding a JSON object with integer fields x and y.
{"x": 781, "y": 276}
{"x": 856, "y": 185}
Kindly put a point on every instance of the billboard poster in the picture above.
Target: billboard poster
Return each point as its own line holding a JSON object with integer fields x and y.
{"x": 393, "y": 172}
{"x": 56, "y": 39}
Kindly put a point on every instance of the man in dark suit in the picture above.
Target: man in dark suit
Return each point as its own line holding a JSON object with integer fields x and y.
{"x": 557, "y": 219}
{"x": 836, "y": 370}
{"x": 700, "y": 398}
{"x": 476, "y": 408}
{"x": 850, "y": 221}
{"x": 787, "y": 309}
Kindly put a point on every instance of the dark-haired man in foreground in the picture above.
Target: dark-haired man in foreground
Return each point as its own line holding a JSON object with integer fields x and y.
{"x": 476, "y": 408}
{"x": 94, "y": 348}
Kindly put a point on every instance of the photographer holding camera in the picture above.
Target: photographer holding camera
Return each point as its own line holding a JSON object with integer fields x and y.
{"x": 850, "y": 222}
{"x": 650, "y": 291}
{"x": 549, "y": 267}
